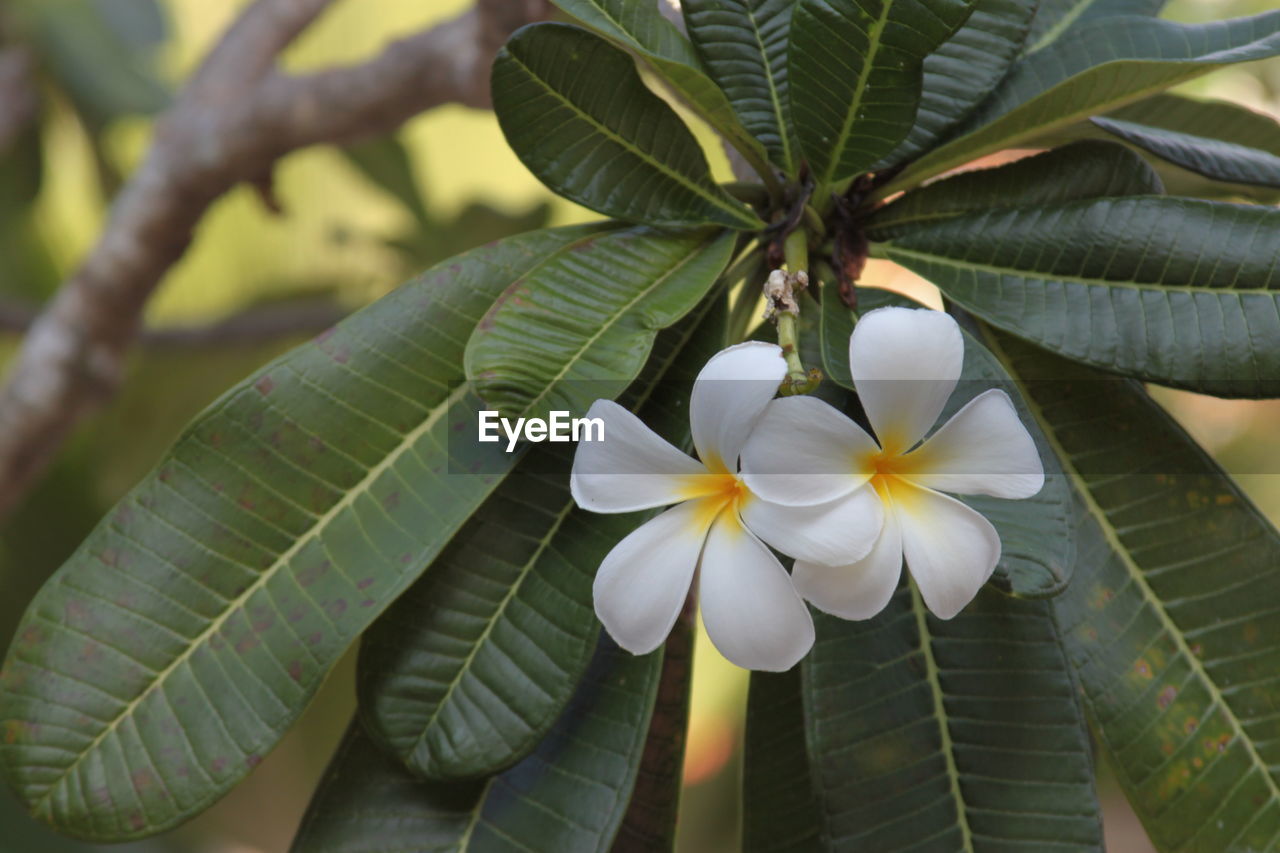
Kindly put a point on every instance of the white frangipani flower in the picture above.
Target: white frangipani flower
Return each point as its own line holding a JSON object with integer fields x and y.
{"x": 749, "y": 606}
{"x": 905, "y": 364}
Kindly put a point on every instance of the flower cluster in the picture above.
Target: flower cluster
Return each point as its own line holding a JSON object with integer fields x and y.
{"x": 798, "y": 476}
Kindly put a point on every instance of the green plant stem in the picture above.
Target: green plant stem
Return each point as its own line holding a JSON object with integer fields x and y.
{"x": 796, "y": 259}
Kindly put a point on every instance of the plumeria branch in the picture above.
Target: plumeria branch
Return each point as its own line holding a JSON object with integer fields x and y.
{"x": 237, "y": 116}
{"x": 784, "y": 309}
{"x": 254, "y": 325}
{"x": 19, "y": 102}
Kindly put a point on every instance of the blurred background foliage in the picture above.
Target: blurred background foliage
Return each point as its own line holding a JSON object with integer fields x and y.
{"x": 354, "y": 224}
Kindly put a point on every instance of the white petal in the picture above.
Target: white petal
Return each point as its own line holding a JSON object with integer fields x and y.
{"x": 983, "y": 450}
{"x": 804, "y": 451}
{"x": 752, "y": 612}
{"x": 860, "y": 589}
{"x": 643, "y": 582}
{"x": 838, "y": 532}
{"x": 728, "y": 396}
{"x": 631, "y": 468}
{"x": 950, "y": 549}
{"x": 905, "y": 364}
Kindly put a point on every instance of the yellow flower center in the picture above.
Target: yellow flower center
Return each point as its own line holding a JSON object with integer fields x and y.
{"x": 715, "y": 493}
{"x": 890, "y": 475}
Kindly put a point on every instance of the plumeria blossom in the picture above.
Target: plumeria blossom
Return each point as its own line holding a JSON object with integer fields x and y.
{"x": 752, "y": 612}
{"x": 905, "y": 364}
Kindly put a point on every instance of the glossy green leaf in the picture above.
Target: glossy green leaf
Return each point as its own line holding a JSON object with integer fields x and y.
{"x": 948, "y": 735}
{"x": 188, "y": 632}
{"x": 743, "y": 43}
{"x": 780, "y": 813}
{"x": 964, "y": 70}
{"x": 1216, "y": 139}
{"x": 1177, "y": 291}
{"x": 1096, "y": 68}
{"x": 1036, "y": 534}
{"x": 1170, "y": 618}
{"x": 1077, "y": 171}
{"x": 569, "y": 795}
{"x": 574, "y": 109}
{"x": 469, "y": 669}
{"x": 580, "y": 325}
{"x": 641, "y": 28}
{"x": 1056, "y": 17}
{"x": 855, "y": 76}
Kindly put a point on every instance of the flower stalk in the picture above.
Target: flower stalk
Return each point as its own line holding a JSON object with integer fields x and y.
{"x": 780, "y": 290}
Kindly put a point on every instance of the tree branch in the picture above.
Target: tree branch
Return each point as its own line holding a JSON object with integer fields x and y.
{"x": 237, "y": 116}
{"x": 253, "y": 325}
{"x": 19, "y": 102}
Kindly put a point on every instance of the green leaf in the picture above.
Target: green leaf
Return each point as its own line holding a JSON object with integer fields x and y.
{"x": 1096, "y": 68}
{"x": 1056, "y": 17}
{"x": 188, "y": 632}
{"x": 964, "y": 70}
{"x": 1170, "y": 619}
{"x": 779, "y": 811}
{"x": 641, "y": 28}
{"x": 855, "y": 76}
{"x": 948, "y": 735}
{"x": 836, "y": 325}
{"x": 580, "y": 326}
{"x": 1216, "y": 139}
{"x": 140, "y": 24}
{"x": 574, "y": 109}
{"x": 99, "y": 61}
{"x": 368, "y": 803}
{"x": 1181, "y": 292}
{"x": 1076, "y": 171}
{"x": 469, "y": 669}
{"x": 388, "y": 165}
{"x": 1038, "y": 548}
{"x": 744, "y": 45}
{"x": 570, "y": 794}
{"x": 31, "y": 273}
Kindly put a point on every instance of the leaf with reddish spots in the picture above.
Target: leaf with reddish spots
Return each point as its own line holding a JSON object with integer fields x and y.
{"x": 302, "y": 454}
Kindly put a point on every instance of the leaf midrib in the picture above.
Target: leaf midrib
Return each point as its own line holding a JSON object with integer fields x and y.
{"x": 545, "y": 542}
{"x": 1136, "y": 573}
{"x": 938, "y": 162}
{"x": 633, "y": 41}
{"x": 1063, "y": 24}
{"x": 775, "y": 98}
{"x": 933, "y": 677}
{"x": 464, "y": 840}
{"x": 874, "y": 36}
{"x": 576, "y": 356}
{"x": 512, "y": 590}
{"x": 720, "y": 115}
{"x": 695, "y": 187}
{"x": 237, "y": 605}
{"x": 890, "y": 250}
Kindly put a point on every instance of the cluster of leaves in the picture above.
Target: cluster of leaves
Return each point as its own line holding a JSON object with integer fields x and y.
{"x": 323, "y": 499}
